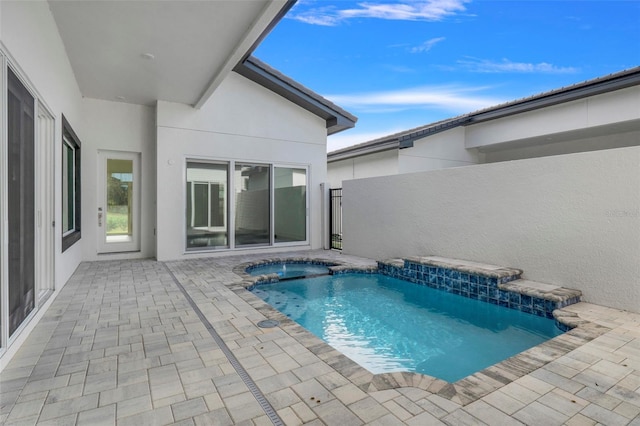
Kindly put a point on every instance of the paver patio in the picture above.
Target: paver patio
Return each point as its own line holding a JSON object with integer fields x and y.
{"x": 146, "y": 342}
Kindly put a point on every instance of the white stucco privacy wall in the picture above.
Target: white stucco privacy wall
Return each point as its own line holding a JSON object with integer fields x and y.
{"x": 242, "y": 121}
{"x": 571, "y": 220}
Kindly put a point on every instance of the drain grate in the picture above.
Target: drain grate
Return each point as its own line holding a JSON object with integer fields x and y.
{"x": 248, "y": 381}
{"x": 268, "y": 323}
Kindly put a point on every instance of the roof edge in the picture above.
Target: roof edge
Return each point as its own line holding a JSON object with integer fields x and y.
{"x": 609, "y": 83}
{"x": 246, "y": 45}
{"x": 336, "y": 118}
{"x": 357, "y": 150}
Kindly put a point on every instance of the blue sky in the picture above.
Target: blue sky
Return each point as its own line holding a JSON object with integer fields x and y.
{"x": 399, "y": 65}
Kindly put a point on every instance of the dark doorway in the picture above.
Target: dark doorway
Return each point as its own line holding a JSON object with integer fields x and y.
{"x": 21, "y": 200}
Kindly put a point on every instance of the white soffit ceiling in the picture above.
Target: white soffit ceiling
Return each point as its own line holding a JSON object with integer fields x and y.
{"x": 172, "y": 50}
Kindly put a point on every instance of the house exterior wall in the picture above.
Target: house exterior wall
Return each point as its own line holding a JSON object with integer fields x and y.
{"x": 117, "y": 126}
{"x": 440, "y": 151}
{"x": 42, "y": 59}
{"x": 606, "y": 121}
{"x": 600, "y": 110}
{"x": 377, "y": 164}
{"x": 596, "y": 143}
{"x": 569, "y": 220}
{"x": 31, "y": 43}
{"x": 243, "y": 122}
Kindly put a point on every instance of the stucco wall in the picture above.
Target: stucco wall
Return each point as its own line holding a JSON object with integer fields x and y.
{"x": 30, "y": 37}
{"x": 377, "y": 164}
{"x": 571, "y": 220}
{"x": 439, "y": 151}
{"x": 32, "y": 46}
{"x": 242, "y": 121}
{"x": 617, "y": 140}
{"x": 605, "y": 109}
{"x": 117, "y": 126}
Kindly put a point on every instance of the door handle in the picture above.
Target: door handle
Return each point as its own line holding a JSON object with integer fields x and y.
{"x": 99, "y": 216}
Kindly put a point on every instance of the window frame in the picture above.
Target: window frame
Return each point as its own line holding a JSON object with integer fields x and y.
{"x": 307, "y": 229}
{"x": 66, "y": 143}
{"x": 69, "y": 138}
{"x": 230, "y": 208}
{"x": 191, "y": 186}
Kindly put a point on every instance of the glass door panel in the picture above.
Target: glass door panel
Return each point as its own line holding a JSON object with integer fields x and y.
{"x": 20, "y": 201}
{"x": 290, "y": 209}
{"x": 118, "y": 210}
{"x": 207, "y": 224}
{"x": 119, "y": 200}
{"x": 252, "y": 208}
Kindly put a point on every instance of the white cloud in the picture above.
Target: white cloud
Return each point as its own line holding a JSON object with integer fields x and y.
{"x": 427, "y": 45}
{"x": 457, "y": 99}
{"x": 429, "y": 10}
{"x": 507, "y": 66}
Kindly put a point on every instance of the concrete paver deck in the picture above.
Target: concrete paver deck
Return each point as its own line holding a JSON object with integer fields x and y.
{"x": 122, "y": 344}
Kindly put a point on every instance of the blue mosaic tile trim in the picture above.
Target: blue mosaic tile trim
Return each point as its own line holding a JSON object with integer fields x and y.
{"x": 473, "y": 286}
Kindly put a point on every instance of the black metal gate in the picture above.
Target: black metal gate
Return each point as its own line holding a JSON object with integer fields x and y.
{"x": 335, "y": 218}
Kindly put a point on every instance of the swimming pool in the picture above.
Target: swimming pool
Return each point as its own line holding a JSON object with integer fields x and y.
{"x": 386, "y": 324}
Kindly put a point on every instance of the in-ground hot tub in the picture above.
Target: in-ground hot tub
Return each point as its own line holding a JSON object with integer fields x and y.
{"x": 289, "y": 269}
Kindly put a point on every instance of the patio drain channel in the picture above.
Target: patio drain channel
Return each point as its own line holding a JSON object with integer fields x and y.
{"x": 248, "y": 381}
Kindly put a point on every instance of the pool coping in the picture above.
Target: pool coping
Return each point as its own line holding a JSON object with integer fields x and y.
{"x": 463, "y": 391}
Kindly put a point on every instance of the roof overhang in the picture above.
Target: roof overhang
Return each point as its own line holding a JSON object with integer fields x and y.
{"x": 141, "y": 51}
{"x": 336, "y": 118}
{"x": 362, "y": 149}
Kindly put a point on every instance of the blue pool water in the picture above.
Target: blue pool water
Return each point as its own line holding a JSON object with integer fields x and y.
{"x": 289, "y": 270}
{"x": 386, "y": 324}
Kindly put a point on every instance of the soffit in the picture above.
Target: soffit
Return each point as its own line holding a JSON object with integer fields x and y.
{"x": 194, "y": 45}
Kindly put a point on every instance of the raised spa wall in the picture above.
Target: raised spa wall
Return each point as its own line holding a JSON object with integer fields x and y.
{"x": 487, "y": 283}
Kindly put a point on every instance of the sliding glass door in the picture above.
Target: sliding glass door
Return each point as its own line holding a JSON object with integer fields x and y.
{"x": 252, "y": 208}
{"x": 26, "y": 204}
{"x": 290, "y": 204}
{"x": 20, "y": 201}
{"x": 207, "y": 218}
{"x": 262, "y": 204}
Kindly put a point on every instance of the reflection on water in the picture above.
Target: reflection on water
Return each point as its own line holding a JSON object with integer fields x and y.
{"x": 386, "y": 324}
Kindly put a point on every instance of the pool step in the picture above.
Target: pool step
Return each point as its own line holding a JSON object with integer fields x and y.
{"x": 489, "y": 283}
{"x": 464, "y": 266}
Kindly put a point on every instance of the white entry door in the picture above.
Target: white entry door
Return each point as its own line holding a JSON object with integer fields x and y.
{"x": 118, "y": 201}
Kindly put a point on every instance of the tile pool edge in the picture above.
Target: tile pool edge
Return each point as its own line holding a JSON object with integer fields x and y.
{"x": 464, "y": 391}
{"x": 242, "y": 269}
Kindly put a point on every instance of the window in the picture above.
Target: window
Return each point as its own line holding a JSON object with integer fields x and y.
{"x": 70, "y": 186}
{"x": 237, "y": 205}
